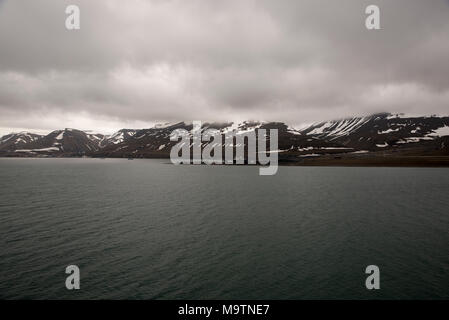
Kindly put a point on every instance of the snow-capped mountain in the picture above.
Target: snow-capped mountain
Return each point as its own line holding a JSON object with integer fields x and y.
{"x": 140, "y": 143}
{"x": 155, "y": 142}
{"x": 386, "y": 133}
{"x": 117, "y": 138}
{"x": 381, "y": 131}
{"x": 14, "y": 141}
{"x": 97, "y": 138}
{"x": 70, "y": 142}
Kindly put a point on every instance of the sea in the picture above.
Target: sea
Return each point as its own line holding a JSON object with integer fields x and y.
{"x": 147, "y": 229}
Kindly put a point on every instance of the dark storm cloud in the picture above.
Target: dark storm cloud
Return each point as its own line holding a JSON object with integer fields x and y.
{"x": 139, "y": 62}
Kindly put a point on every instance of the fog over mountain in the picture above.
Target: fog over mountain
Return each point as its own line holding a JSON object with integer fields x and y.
{"x": 136, "y": 63}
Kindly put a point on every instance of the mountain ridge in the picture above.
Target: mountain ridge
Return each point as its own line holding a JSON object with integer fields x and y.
{"x": 382, "y": 134}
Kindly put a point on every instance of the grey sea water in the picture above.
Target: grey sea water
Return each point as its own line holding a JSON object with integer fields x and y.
{"x": 146, "y": 229}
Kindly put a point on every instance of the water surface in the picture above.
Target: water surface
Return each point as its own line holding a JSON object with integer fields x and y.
{"x": 145, "y": 229}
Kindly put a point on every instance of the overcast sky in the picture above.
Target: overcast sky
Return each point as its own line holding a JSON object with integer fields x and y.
{"x": 135, "y": 63}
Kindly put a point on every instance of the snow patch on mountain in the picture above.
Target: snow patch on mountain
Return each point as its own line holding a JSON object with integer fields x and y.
{"x": 60, "y": 136}
{"x": 388, "y": 131}
{"x": 413, "y": 139}
{"x": 441, "y": 132}
{"x": 38, "y": 150}
{"x": 384, "y": 145}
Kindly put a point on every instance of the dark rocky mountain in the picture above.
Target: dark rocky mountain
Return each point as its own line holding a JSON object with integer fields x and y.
{"x": 383, "y": 139}
{"x": 379, "y": 135}
{"x": 67, "y": 142}
{"x": 117, "y": 138}
{"x": 98, "y": 138}
{"x": 155, "y": 142}
{"x": 383, "y": 131}
{"x": 143, "y": 143}
{"x": 14, "y": 141}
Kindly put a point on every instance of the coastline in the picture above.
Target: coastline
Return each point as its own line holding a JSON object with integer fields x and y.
{"x": 324, "y": 161}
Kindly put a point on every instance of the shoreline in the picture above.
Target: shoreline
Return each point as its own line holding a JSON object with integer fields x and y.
{"x": 373, "y": 161}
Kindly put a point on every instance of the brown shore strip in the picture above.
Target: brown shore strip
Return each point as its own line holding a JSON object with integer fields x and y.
{"x": 341, "y": 160}
{"x": 373, "y": 161}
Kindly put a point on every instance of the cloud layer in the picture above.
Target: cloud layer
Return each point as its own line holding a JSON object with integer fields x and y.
{"x": 138, "y": 62}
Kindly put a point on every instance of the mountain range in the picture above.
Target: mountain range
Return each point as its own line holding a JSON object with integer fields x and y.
{"x": 356, "y": 139}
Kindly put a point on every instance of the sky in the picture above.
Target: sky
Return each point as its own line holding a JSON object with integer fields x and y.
{"x": 135, "y": 63}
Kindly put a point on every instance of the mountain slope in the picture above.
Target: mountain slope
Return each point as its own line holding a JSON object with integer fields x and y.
{"x": 155, "y": 142}
{"x": 382, "y": 133}
{"x": 69, "y": 142}
{"x": 14, "y": 141}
